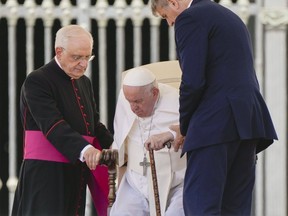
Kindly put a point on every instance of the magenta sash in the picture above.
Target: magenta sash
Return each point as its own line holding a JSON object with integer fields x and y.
{"x": 38, "y": 147}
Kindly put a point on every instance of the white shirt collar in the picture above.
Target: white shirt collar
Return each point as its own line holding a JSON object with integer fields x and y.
{"x": 190, "y": 3}
{"x": 58, "y": 62}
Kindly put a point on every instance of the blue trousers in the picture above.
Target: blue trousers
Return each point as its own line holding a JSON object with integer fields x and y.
{"x": 219, "y": 179}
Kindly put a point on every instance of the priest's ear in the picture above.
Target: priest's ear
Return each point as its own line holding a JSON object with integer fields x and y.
{"x": 59, "y": 52}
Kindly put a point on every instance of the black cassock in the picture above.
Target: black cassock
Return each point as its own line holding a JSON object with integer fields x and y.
{"x": 63, "y": 109}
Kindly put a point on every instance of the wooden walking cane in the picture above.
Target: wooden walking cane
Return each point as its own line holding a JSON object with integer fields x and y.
{"x": 155, "y": 183}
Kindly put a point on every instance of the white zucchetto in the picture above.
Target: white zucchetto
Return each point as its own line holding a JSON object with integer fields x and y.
{"x": 139, "y": 76}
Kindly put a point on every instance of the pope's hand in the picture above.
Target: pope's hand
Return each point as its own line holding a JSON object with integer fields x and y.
{"x": 92, "y": 157}
{"x": 157, "y": 141}
{"x": 179, "y": 139}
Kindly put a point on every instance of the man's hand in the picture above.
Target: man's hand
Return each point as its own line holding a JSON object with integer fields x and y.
{"x": 157, "y": 141}
{"x": 179, "y": 139}
{"x": 92, "y": 157}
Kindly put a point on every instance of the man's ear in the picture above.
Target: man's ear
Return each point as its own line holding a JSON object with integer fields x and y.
{"x": 58, "y": 51}
{"x": 155, "y": 91}
{"x": 173, "y": 4}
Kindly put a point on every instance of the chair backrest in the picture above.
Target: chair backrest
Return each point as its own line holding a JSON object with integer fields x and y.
{"x": 167, "y": 72}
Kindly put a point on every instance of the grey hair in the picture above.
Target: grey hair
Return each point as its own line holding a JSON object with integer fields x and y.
{"x": 150, "y": 86}
{"x": 67, "y": 32}
{"x": 156, "y": 4}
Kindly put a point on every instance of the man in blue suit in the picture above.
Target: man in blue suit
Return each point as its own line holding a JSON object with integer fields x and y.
{"x": 223, "y": 116}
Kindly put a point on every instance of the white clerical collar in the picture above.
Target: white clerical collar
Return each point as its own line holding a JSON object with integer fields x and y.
{"x": 58, "y": 62}
{"x": 190, "y": 3}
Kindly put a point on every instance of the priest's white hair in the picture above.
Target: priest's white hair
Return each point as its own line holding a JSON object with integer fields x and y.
{"x": 71, "y": 31}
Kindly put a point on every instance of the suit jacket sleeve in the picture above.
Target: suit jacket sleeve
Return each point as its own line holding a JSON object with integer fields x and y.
{"x": 191, "y": 40}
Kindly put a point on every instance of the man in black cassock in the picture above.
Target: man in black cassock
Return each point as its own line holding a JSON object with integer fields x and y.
{"x": 61, "y": 125}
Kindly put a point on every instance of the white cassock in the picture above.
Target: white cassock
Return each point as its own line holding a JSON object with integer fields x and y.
{"x": 135, "y": 195}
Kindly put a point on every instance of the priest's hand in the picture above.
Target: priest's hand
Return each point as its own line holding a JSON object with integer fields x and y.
{"x": 179, "y": 139}
{"x": 92, "y": 157}
{"x": 157, "y": 141}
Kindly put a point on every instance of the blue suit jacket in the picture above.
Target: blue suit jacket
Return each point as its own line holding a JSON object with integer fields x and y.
{"x": 220, "y": 99}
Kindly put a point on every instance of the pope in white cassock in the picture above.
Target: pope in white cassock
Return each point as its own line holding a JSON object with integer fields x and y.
{"x": 144, "y": 112}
